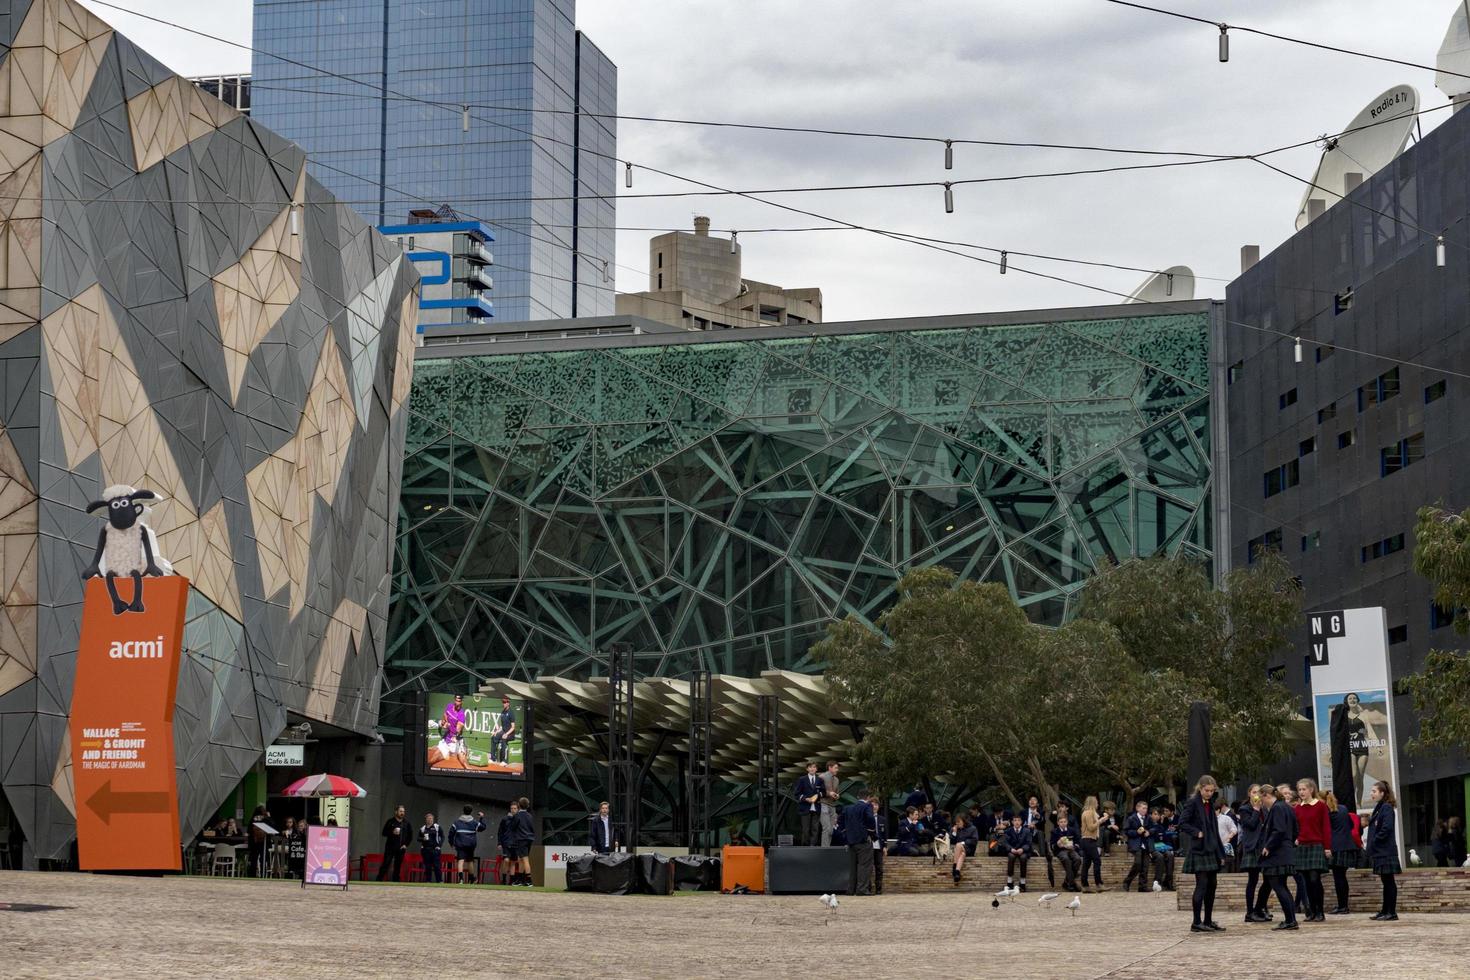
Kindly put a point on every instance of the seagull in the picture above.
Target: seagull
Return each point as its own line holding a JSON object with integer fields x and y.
{"x": 1157, "y": 887}
{"x": 1004, "y": 892}
{"x": 1414, "y": 858}
{"x": 832, "y": 902}
{"x": 826, "y": 899}
{"x": 1075, "y": 904}
{"x": 1466, "y": 864}
{"x": 1047, "y": 899}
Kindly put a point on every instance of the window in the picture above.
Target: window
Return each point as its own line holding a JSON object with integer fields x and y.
{"x": 1405, "y": 452}
{"x": 1380, "y": 389}
{"x": 1307, "y": 672}
{"x": 1311, "y": 541}
{"x": 1324, "y": 351}
{"x": 1277, "y": 673}
{"x": 1379, "y": 549}
{"x": 1434, "y": 392}
{"x": 1439, "y": 616}
{"x": 1307, "y": 446}
{"x": 1343, "y": 301}
{"x": 1288, "y": 398}
{"x": 1346, "y": 439}
{"x": 1282, "y": 478}
{"x": 660, "y": 260}
{"x": 1398, "y": 634}
{"x": 660, "y": 280}
{"x": 1270, "y": 541}
{"x": 1235, "y": 372}
{"x": 1326, "y": 412}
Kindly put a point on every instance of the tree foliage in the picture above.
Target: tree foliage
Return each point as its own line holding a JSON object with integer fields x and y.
{"x": 956, "y": 681}
{"x": 1441, "y": 690}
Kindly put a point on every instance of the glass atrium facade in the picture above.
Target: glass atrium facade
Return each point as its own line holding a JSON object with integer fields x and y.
{"x": 715, "y": 503}
{"x": 536, "y": 162}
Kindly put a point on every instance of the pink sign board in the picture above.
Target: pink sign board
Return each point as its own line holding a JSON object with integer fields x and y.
{"x": 326, "y": 856}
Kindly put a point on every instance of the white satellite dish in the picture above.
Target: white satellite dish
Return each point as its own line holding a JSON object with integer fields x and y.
{"x": 1454, "y": 54}
{"x": 1368, "y": 143}
{"x": 1158, "y": 288}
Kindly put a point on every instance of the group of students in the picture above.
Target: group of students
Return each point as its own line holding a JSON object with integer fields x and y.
{"x": 1289, "y": 834}
{"x": 515, "y": 835}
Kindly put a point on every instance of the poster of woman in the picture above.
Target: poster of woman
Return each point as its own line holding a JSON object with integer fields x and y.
{"x": 1368, "y": 739}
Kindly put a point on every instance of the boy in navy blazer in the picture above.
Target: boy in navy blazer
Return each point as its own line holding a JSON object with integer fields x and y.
{"x": 1139, "y": 831}
{"x": 1019, "y": 842}
{"x": 859, "y": 830}
{"x": 809, "y": 792}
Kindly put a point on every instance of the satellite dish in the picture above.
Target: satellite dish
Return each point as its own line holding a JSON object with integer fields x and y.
{"x": 1368, "y": 143}
{"x": 1157, "y": 288}
{"x": 1454, "y": 54}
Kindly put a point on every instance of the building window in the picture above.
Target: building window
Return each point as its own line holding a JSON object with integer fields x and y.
{"x": 1235, "y": 372}
{"x": 1398, "y": 634}
{"x": 1439, "y": 616}
{"x": 1311, "y": 541}
{"x": 1405, "y": 452}
{"x": 1343, "y": 301}
{"x": 1326, "y": 412}
{"x": 1287, "y": 398}
{"x": 660, "y": 260}
{"x": 1306, "y": 446}
{"x": 1277, "y": 673}
{"x": 1324, "y": 351}
{"x": 1379, "y": 549}
{"x": 1270, "y": 541}
{"x": 1282, "y": 478}
{"x": 1434, "y": 392}
{"x": 1380, "y": 389}
{"x": 660, "y": 280}
{"x": 1346, "y": 439}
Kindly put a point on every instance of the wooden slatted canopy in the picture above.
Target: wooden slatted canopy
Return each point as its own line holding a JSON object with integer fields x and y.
{"x": 571, "y": 715}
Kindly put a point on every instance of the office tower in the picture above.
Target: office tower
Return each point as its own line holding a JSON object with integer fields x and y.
{"x": 375, "y": 90}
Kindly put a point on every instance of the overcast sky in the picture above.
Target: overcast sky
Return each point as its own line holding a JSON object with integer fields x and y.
{"x": 1057, "y": 71}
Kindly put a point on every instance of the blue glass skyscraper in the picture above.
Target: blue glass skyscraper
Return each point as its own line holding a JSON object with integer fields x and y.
{"x": 373, "y": 90}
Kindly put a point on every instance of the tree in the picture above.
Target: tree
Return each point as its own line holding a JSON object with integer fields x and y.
{"x": 1441, "y": 690}
{"x": 1209, "y": 644}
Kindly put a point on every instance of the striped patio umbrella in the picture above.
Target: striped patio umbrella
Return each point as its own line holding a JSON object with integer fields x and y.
{"x": 324, "y": 785}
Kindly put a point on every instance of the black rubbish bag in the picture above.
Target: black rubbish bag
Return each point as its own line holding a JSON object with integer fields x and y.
{"x": 579, "y": 873}
{"x": 615, "y": 874}
{"x": 696, "y": 873}
{"x": 654, "y": 874}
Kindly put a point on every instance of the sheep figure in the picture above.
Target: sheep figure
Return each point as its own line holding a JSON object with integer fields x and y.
{"x": 127, "y": 545}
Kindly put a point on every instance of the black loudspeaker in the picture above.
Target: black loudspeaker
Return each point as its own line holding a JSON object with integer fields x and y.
{"x": 808, "y": 870}
{"x": 1199, "y": 740}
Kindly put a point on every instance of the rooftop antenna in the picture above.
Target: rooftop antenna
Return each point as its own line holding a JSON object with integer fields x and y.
{"x": 1171, "y": 284}
{"x": 1453, "y": 61}
{"x": 1369, "y": 142}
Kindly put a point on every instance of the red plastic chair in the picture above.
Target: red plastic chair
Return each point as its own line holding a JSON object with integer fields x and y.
{"x": 413, "y": 867}
{"x": 446, "y": 867}
{"x": 369, "y": 867}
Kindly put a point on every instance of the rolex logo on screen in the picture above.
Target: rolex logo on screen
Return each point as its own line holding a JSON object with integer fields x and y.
{"x": 136, "y": 649}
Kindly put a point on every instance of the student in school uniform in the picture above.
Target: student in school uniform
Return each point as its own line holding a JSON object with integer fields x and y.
{"x": 1252, "y": 823}
{"x": 1278, "y": 852}
{"x": 1020, "y": 839}
{"x": 1199, "y": 833}
{"x": 1286, "y": 792}
{"x": 1066, "y": 849}
{"x": 1383, "y": 849}
{"x": 1347, "y": 849}
{"x": 1091, "y": 853}
{"x": 965, "y": 839}
{"x": 1165, "y": 832}
{"x": 1138, "y": 831}
{"x": 809, "y": 793}
{"x": 907, "y": 834}
{"x": 1313, "y": 843}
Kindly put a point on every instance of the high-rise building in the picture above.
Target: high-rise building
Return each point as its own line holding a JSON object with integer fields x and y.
{"x": 695, "y": 282}
{"x": 375, "y": 91}
{"x": 454, "y": 261}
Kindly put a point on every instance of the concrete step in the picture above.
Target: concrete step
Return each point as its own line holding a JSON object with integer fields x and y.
{"x": 1420, "y": 890}
{"x": 908, "y": 875}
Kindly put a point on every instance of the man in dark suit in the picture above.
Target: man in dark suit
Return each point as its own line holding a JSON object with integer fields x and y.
{"x": 397, "y": 835}
{"x": 1140, "y": 833}
{"x": 601, "y": 836}
{"x": 859, "y": 829}
{"x": 809, "y": 804}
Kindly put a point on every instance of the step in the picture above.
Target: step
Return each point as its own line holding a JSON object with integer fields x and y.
{"x": 1420, "y": 890}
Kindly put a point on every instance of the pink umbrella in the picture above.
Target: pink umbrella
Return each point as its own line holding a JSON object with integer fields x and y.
{"x": 324, "y": 785}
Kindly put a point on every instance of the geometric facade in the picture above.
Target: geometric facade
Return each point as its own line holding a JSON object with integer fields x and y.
{"x": 716, "y": 502}
{"x": 183, "y": 308}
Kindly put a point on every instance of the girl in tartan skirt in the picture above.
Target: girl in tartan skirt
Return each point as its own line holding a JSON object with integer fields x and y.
{"x": 1313, "y": 844}
{"x": 1278, "y": 853}
{"x": 1383, "y": 849}
{"x": 1252, "y": 823}
{"x": 1347, "y": 849}
{"x": 1199, "y": 834}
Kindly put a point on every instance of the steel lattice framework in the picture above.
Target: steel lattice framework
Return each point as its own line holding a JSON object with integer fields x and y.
{"x": 715, "y": 503}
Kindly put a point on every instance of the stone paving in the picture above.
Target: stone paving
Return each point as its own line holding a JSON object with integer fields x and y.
{"x": 160, "y": 928}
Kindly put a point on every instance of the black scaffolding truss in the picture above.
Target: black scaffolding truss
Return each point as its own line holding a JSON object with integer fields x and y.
{"x": 700, "y": 775}
{"x": 622, "y": 767}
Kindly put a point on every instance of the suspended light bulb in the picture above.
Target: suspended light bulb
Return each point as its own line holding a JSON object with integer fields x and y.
{"x": 1297, "y": 354}
{"x": 1169, "y": 285}
{"x": 296, "y": 220}
{"x": 1224, "y": 43}
{"x": 627, "y": 175}
{"x": 733, "y": 236}
{"x": 1439, "y": 251}
{"x": 464, "y": 122}
{"x": 949, "y": 154}
{"x": 1003, "y": 256}
{"x": 948, "y": 198}
{"x": 605, "y": 275}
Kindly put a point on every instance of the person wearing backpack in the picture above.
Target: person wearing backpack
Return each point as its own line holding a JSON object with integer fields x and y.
{"x": 465, "y": 833}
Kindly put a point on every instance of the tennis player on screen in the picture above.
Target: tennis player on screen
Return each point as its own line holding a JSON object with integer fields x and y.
{"x": 451, "y": 731}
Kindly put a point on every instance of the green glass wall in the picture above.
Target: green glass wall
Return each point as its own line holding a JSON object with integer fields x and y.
{"x": 716, "y": 503}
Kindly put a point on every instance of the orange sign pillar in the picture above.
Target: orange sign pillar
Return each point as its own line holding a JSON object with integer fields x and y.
{"x": 122, "y": 727}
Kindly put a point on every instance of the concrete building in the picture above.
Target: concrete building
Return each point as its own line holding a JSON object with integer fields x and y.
{"x": 695, "y": 283}
{"x": 387, "y": 130}
{"x": 232, "y": 90}
{"x": 454, "y": 261}
{"x": 244, "y": 353}
{"x": 1331, "y": 454}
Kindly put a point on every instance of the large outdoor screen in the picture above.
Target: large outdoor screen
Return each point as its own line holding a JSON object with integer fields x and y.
{"x": 475, "y": 735}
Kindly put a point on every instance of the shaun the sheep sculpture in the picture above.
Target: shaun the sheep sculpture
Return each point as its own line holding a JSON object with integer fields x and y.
{"x": 127, "y": 545}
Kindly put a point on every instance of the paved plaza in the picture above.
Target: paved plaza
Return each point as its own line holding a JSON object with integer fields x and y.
{"x": 198, "y": 927}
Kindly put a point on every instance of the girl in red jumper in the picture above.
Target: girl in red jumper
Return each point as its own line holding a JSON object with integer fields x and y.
{"x": 1314, "y": 843}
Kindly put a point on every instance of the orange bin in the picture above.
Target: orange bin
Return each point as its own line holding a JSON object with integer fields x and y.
{"x": 743, "y": 866}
